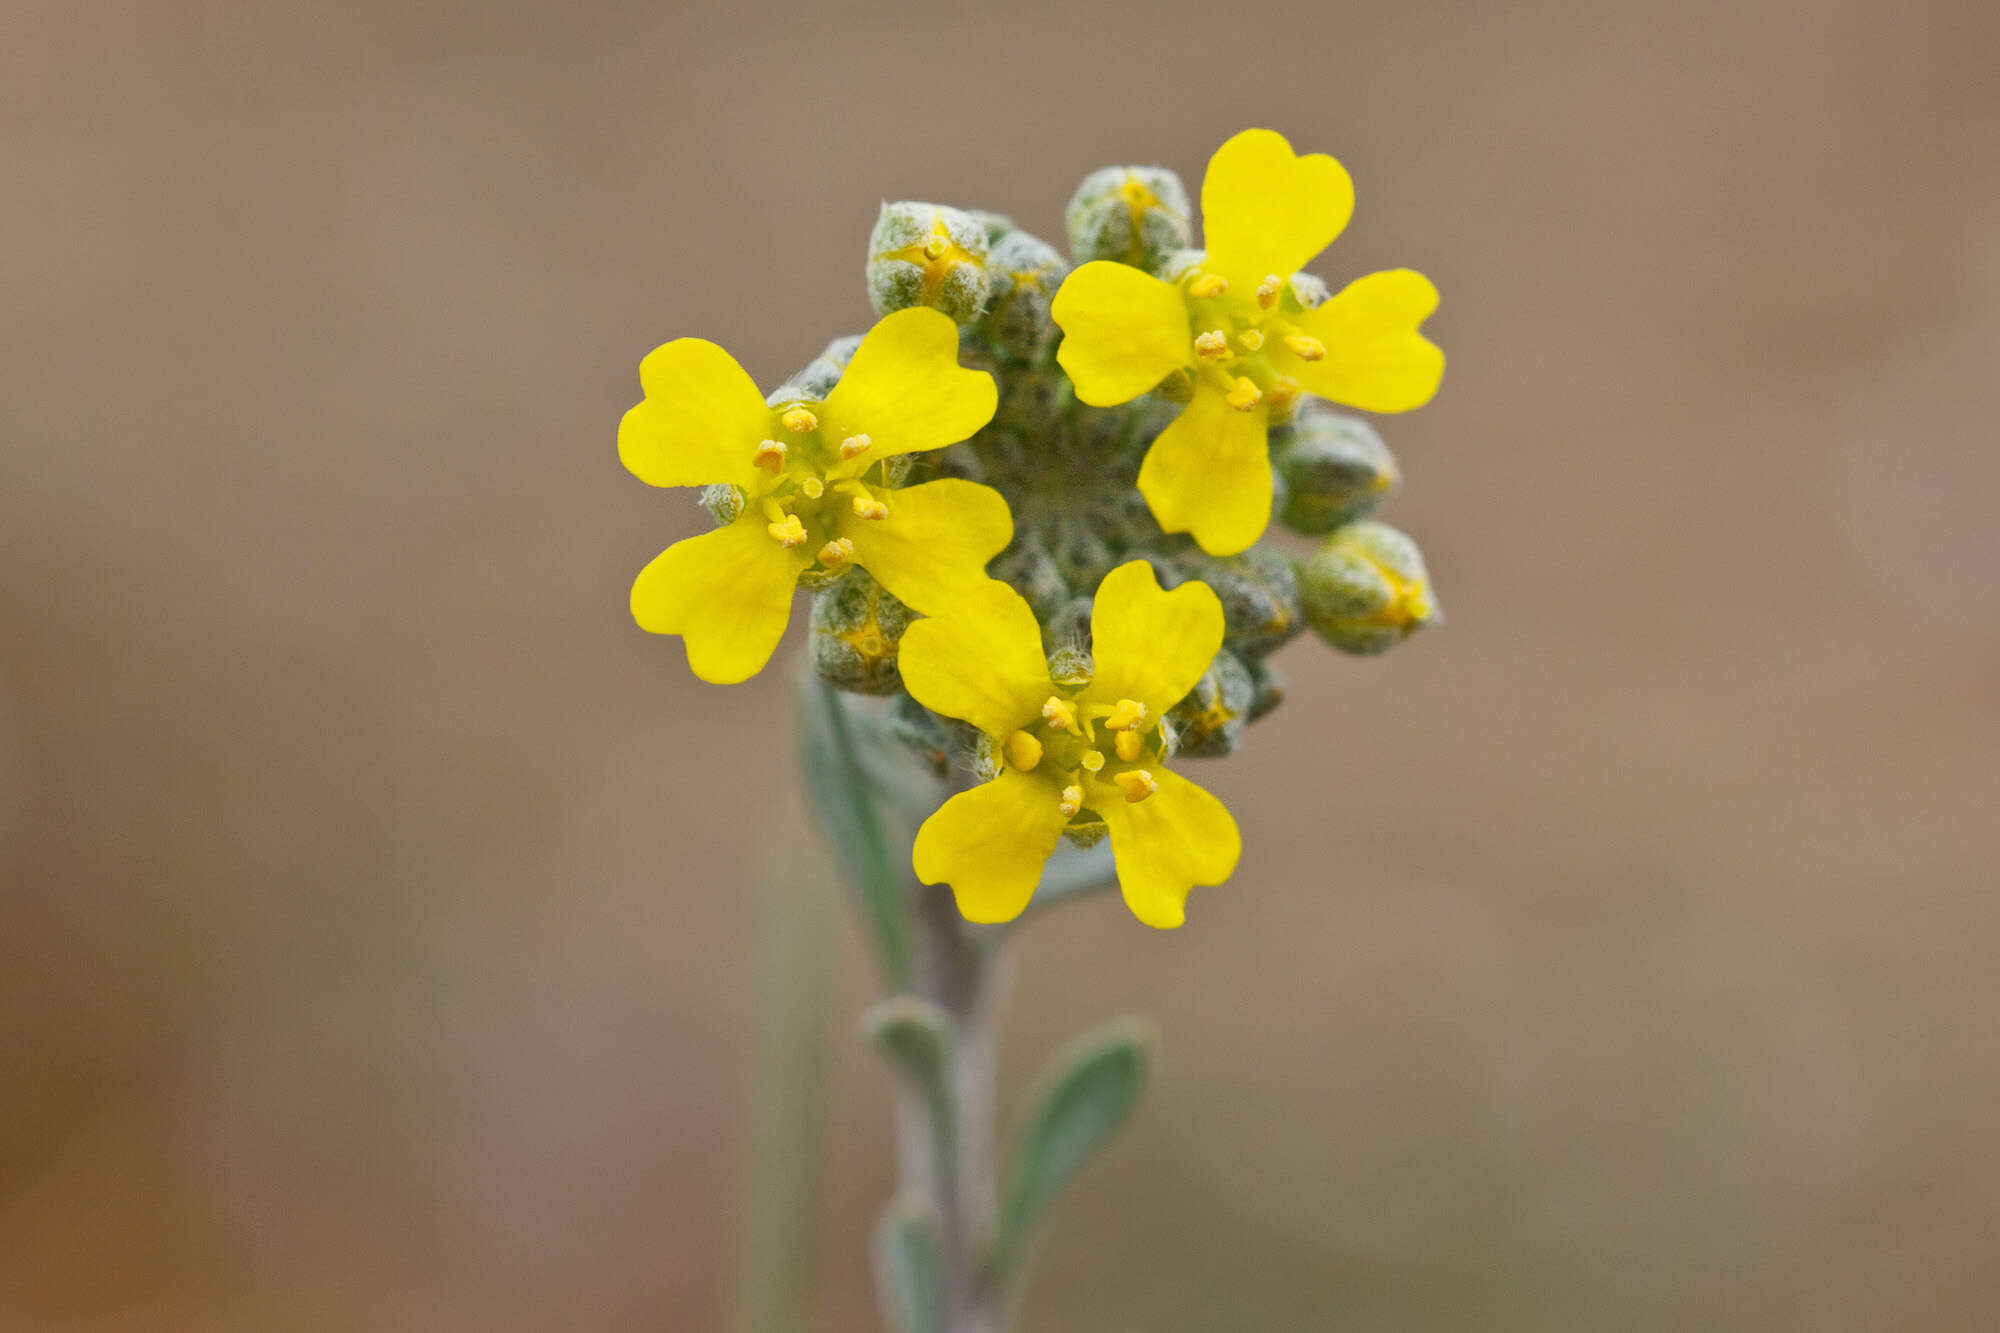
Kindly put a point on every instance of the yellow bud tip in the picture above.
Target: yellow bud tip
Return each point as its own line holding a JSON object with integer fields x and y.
{"x": 770, "y": 455}
{"x": 1071, "y": 802}
{"x": 813, "y": 487}
{"x": 1092, "y": 760}
{"x": 1129, "y": 744}
{"x": 1125, "y": 715}
{"x": 1252, "y": 339}
{"x": 1137, "y": 784}
{"x": 1268, "y": 289}
{"x": 836, "y": 552}
{"x": 788, "y": 532}
{"x": 935, "y": 247}
{"x": 1208, "y": 286}
{"x": 870, "y": 508}
{"x": 1022, "y": 750}
{"x": 1212, "y": 343}
{"x": 1305, "y": 347}
{"x": 799, "y": 420}
{"x": 854, "y": 446}
{"x": 1058, "y": 714}
{"x": 1244, "y": 396}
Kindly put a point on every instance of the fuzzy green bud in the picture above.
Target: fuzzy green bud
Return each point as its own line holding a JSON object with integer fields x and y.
{"x": 927, "y": 254}
{"x": 1335, "y": 469}
{"x": 1135, "y": 215}
{"x": 933, "y": 739}
{"x": 816, "y": 380}
{"x": 1259, "y": 592}
{"x": 723, "y": 502}
{"x": 1024, "y": 272}
{"x": 1269, "y": 684}
{"x": 1069, "y": 628}
{"x": 1210, "y": 721}
{"x": 1027, "y": 567}
{"x": 856, "y": 630}
{"x": 1366, "y": 589}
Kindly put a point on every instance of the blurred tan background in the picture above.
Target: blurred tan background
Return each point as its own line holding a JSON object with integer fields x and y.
{"x": 379, "y": 930}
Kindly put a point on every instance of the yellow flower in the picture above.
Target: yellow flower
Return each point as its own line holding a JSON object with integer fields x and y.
{"x": 814, "y": 487}
{"x": 1071, "y": 752}
{"x": 1236, "y": 325}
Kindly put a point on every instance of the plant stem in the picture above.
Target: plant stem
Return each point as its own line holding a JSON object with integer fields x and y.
{"x": 959, "y": 969}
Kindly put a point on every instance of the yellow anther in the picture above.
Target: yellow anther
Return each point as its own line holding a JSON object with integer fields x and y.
{"x": 1071, "y": 802}
{"x": 1282, "y": 396}
{"x": 799, "y": 420}
{"x": 1208, "y": 286}
{"x": 788, "y": 532}
{"x": 867, "y": 506}
{"x": 1212, "y": 343}
{"x": 935, "y": 247}
{"x": 770, "y": 455}
{"x": 1252, "y": 339}
{"x": 1022, "y": 750}
{"x": 813, "y": 488}
{"x": 1129, "y": 744}
{"x": 836, "y": 552}
{"x": 1244, "y": 396}
{"x": 1136, "y": 783}
{"x": 1268, "y": 289}
{"x": 1058, "y": 714}
{"x": 1092, "y": 760}
{"x": 854, "y": 446}
{"x": 1305, "y": 346}
{"x": 1125, "y": 715}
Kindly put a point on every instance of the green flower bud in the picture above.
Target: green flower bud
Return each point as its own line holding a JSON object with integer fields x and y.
{"x": 1083, "y": 556}
{"x": 1210, "y": 721}
{"x": 1335, "y": 469}
{"x": 1024, "y": 272}
{"x": 1366, "y": 590}
{"x": 932, "y": 738}
{"x": 1259, "y": 591}
{"x": 1071, "y": 665}
{"x": 816, "y": 380}
{"x": 723, "y": 502}
{"x": 1269, "y": 683}
{"x": 1025, "y": 565}
{"x": 1135, "y": 215}
{"x": 992, "y": 225}
{"x": 926, "y": 254}
{"x": 856, "y": 629}
{"x": 1086, "y": 832}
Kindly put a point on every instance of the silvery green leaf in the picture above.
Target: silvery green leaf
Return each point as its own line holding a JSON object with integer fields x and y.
{"x": 909, "y": 1266}
{"x": 844, "y": 801}
{"x": 1091, "y": 1088}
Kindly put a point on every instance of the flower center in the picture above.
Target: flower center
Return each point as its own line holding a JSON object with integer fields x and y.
{"x": 1246, "y": 343}
{"x": 814, "y": 487}
{"x": 1090, "y": 751}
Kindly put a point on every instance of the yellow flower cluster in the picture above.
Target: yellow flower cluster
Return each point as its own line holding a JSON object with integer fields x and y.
{"x": 1203, "y": 354}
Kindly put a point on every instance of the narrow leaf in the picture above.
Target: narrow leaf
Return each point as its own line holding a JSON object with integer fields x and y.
{"x": 909, "y": 1266}
{"x": 916, "y": 1036}
{"x": 843, "y": 801}
{"x": 1091, "y": 1088}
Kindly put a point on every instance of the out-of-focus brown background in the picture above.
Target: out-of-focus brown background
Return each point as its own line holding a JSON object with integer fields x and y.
{"x": 379, "y": 930}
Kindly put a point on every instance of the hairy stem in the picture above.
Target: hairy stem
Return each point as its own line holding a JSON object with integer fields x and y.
{"x": 959, "y": 969}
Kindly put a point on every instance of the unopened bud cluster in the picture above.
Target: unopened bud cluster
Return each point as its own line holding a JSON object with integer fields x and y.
{"x": 1068, "y": 472}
